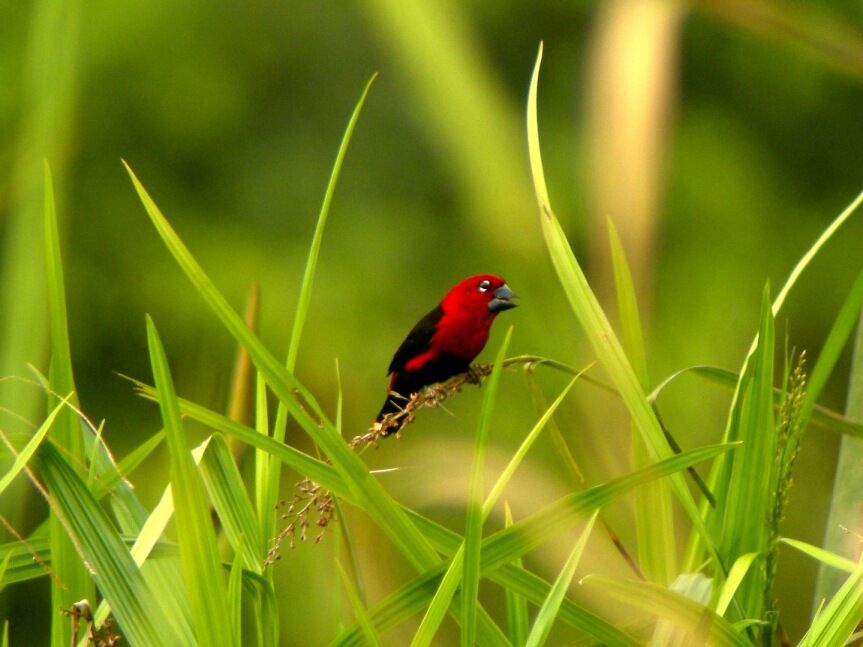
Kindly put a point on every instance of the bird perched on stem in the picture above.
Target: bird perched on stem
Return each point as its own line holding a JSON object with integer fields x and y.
{"x": 444, "y": 342}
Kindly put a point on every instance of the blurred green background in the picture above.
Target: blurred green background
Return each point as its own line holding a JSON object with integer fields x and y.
{"x": 720, "y": 137}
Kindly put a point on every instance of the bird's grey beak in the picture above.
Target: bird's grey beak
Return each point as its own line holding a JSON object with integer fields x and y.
{"x": 502, "y": 299}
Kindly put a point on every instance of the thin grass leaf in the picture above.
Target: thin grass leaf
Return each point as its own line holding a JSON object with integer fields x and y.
{"x": 136, "y": 608}
{"x": 228, "y": 495}
{"x": 77, "y": 583}
{"x": 549, "y": 609}
{"x": 439, "y": 604}
{"x": 360, "y": 612}
{"x": 837, "y": 621}
{"x": 235, "y": 591}
{"x": 364, "y": 488}
{"x": 305, "y": 294}
{"x": 107, "y": 482}
{"x": 475, "y": 516}
{"x": 517, "y": 620}
{"x": 822, "y": 555}
{"x": 735, "y": 577}
{"x": 705, "y": 626}
{"x": 822, "y": 417}
{"x": 654, "y": 523}
{"x": 744, "y": 493}
{"x": 24, "y": 456}
{"x": 503, "y": 547}
{"x": 199, "y": 558}
{"x": 596, "y": 326}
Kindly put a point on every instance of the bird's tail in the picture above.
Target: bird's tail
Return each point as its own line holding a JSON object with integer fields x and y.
{"x": 390, "y": 406}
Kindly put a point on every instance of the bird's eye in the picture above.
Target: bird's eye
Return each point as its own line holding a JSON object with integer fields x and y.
{"x": 485, "y": 286}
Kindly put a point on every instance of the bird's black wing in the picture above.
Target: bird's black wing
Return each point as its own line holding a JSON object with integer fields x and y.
{"x": 418, "y": 340}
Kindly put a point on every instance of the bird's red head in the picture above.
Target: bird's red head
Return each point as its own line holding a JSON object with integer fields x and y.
{"x": 483, "y": 295}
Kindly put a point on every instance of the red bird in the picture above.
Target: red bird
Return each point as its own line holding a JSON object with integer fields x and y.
{"x": 447, "y": 339}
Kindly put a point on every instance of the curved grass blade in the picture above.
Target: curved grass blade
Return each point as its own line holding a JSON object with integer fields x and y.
{"x": 503, "y": 547}
{"x": 837, "y": 621}
{"x": 826, "y": 557}
{"x": 136, "y": 608}
{"x": 199, "y": 558}
{"x": 475, "y": 513}
{"x": 549, "y": 610}
{"x": 360, "y": 611}
{"x": 596, "y": 326}
{"x": 705, "y": 626}
{"x": 735, "y": 577}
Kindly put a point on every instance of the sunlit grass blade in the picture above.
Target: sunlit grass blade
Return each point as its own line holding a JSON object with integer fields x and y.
{"x": 26, "y": 454}
{"x": 503, "y": 547}
{"x": 199, "y": 558}
{"x": 822, "y": 555}
{"x": 749, "y": 473}
{"x": 549, "y": 609}
{"x": 837, "y": 620}
{"x": 735, "y": 577}
{"x": 475, "y": 517}
{"x": 77, "y": 583}
{"x": 517, "y": 620}
{"x": 228, "y": 495}
{"x": 822, "y": 417}
{"x": 273, "y": 473}
{"x": 654, "y": 523}
{"x": 595, "y": 324}
{"x": 136, "y": 609}
{"x": 705, "y": 626}
{"x": 360, "y": 612}
{"x": 235, "y": 591}
{"x": 436, "y": 610}
{"x": 365, "y": 490}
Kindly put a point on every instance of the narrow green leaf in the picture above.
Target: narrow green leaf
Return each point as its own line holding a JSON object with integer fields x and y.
{"x": 517, "y": 619}
{"x": 596, "y": 326}
{"x": 439, "y": 604}
{"x": 199, "y": 558}
{"x": 235, "y": 591}
{"x": 107, "y": 482}
{"x": 549, "y": 610}
{"x": 503, "y": 547}
{"x": 705, "y": 626}
{"x": 821, "y": 416}
{"x": 735, "y": 577}
{"x": 654, "y": 523}
{"x": 26, "y": 454}
{"x": 824, "y": 556}
{"x": 360, "y": 612}
{"x": 837, "y": 621}
{"x": 137, "y": 610}
{"x": 475, "y": 517}
{"x": 228, "y": 495}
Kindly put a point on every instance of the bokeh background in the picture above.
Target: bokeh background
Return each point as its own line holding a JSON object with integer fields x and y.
{"x": 721, "y": 138}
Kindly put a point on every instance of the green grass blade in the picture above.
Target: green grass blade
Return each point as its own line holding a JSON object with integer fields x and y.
{"x": 26, "y": 454}
{"x": 837, "y": 621}
{"x": 822, "y": 417}
{"x": 475, "y": 517}
{"x": 735, "y": 577}
{"x": 439, "y": 604}
{"x": 704, "y": 626}
{"x": 305, "y": 294}
{"x": 77, "y": 583}
{"x": 235, "y": 591}
{"x": 822, "y": 555}
{"x": 502, "y": 548}
{"x": 517, "y": 620}
{"x": 107, "y": 482}
{"x": 596, "y": 326}
{"x": 549, "y": 609}
{"x": 360, "y": 611}
{"x": 750, "y": 472}
{"x": 228, "y": 495}
{"x": 654, "y": 523}
{"x": 199, "y": 558}
{"x": 137, "y": 610}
